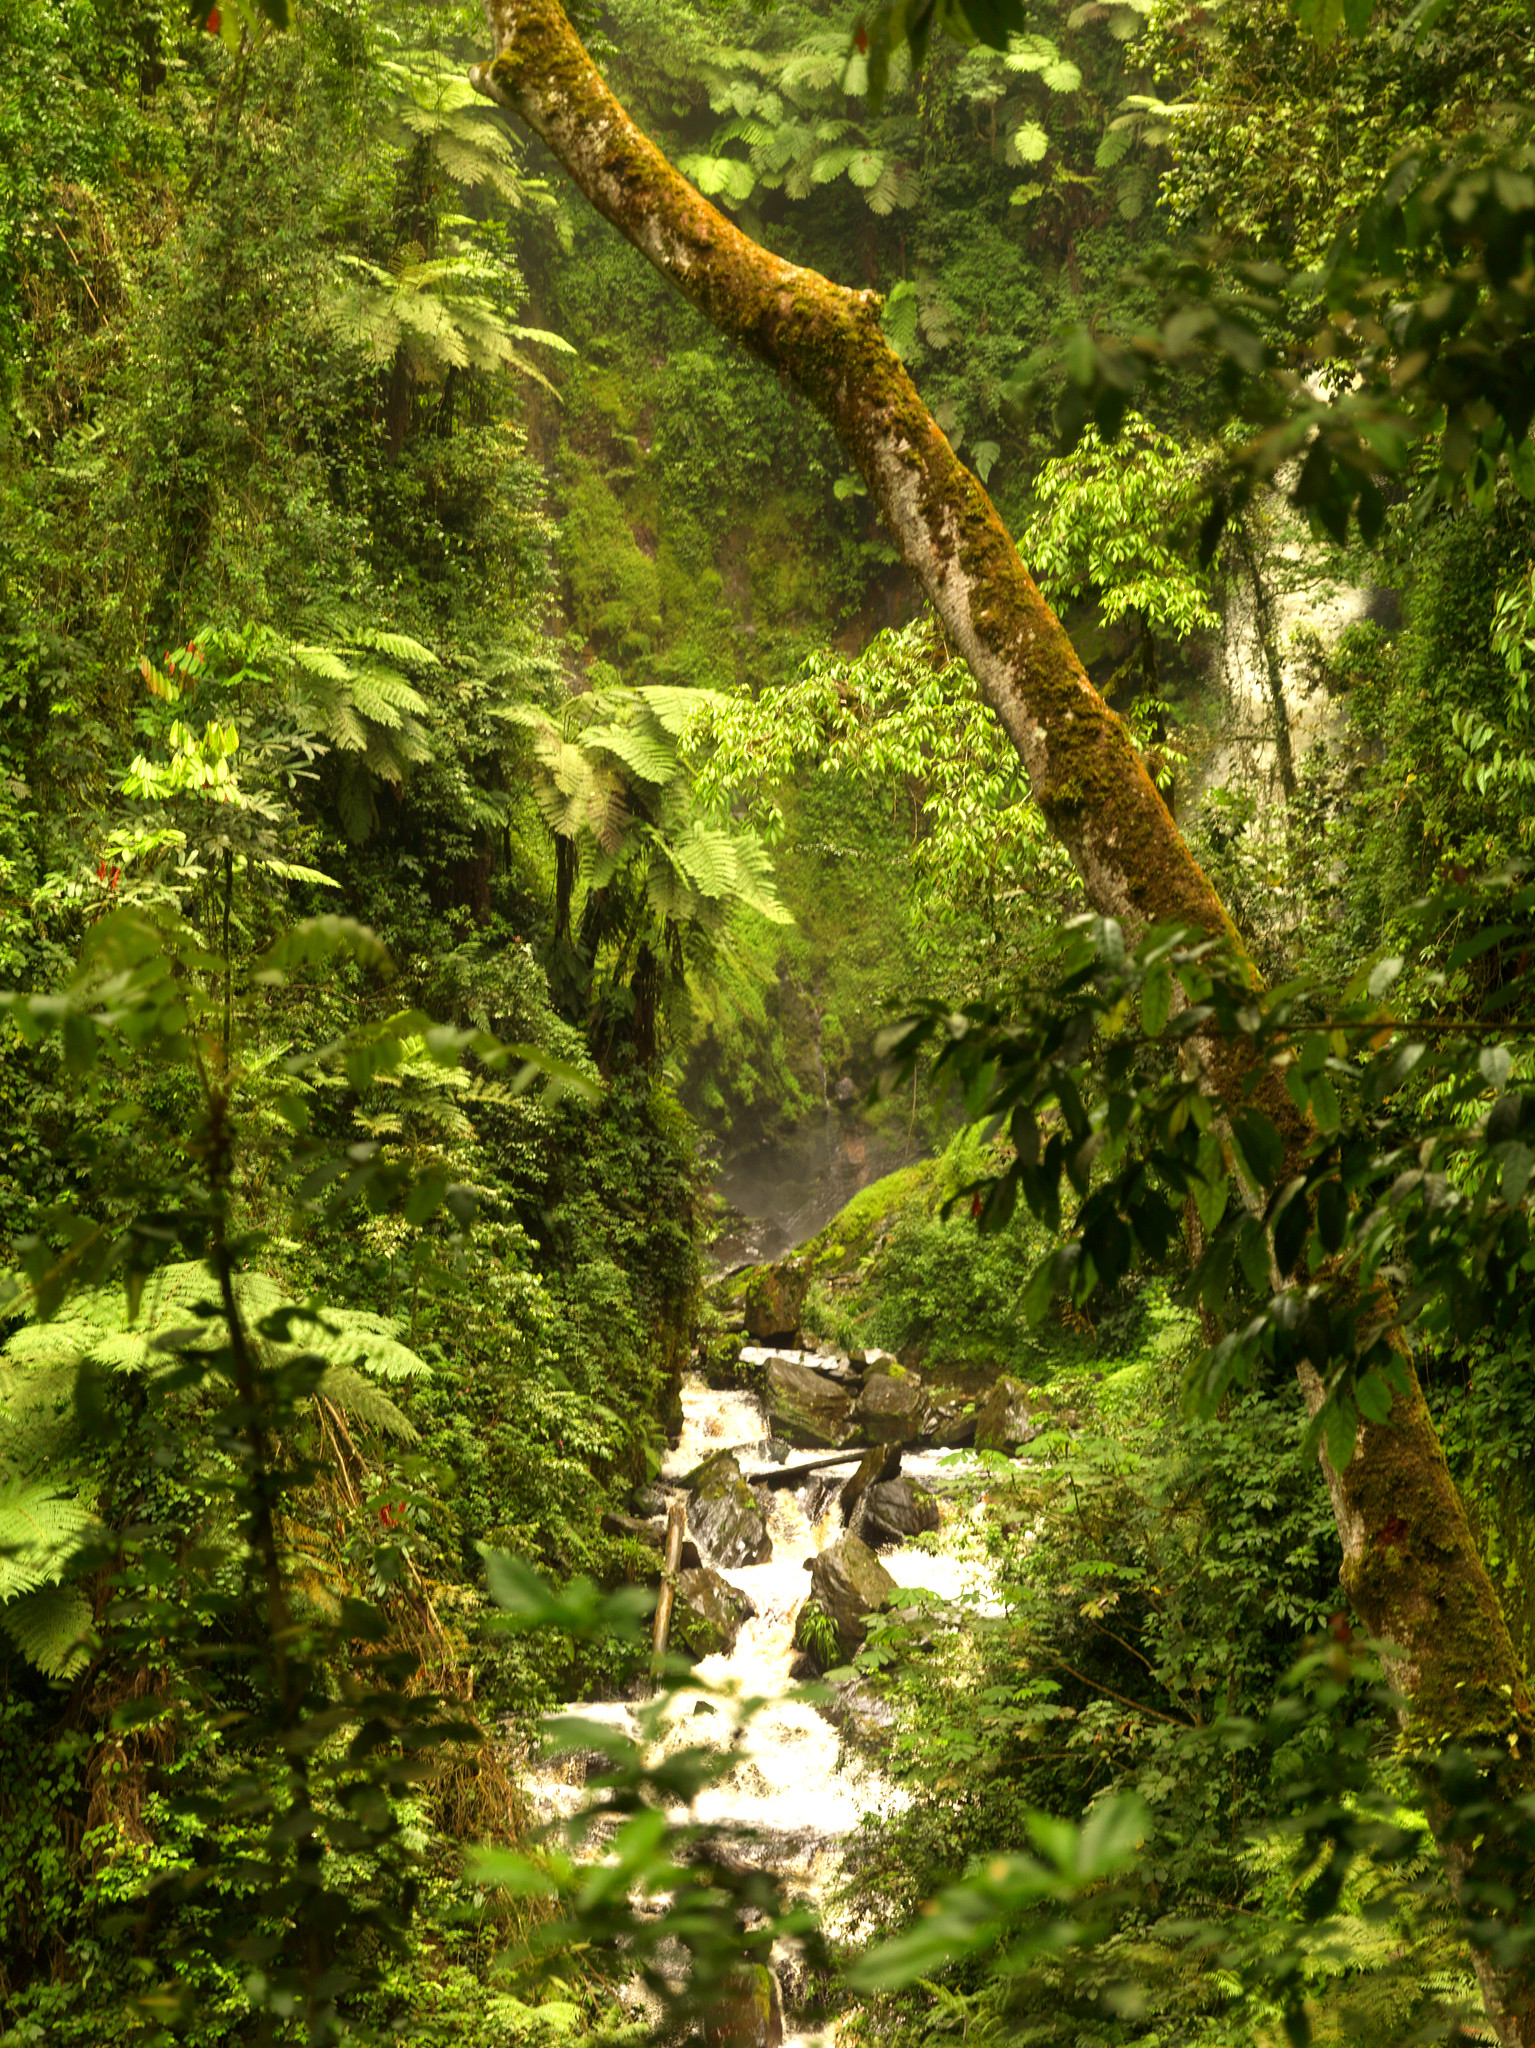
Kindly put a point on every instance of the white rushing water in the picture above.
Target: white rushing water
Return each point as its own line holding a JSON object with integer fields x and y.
{"x": 790, "y": 1782}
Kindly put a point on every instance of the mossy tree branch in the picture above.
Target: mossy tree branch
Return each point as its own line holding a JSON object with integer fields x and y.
{"x": 1411, "y": 1566}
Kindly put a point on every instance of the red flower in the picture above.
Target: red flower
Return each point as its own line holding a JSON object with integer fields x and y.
{"x": 861, "y": 41}
{"x": 213, "y": 22}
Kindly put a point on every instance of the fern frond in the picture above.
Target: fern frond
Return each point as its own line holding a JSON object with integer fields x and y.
{"x": 644, "y": 749}
{"x": 398, "y": 646}
{"x": 360, "y": 1399}
{"x": 41, "y": 1530}
{"x": 51, "y": 1628}
{"x": 320, "y": 661}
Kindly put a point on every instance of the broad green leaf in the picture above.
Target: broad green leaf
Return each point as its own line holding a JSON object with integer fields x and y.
{"x": 1514, "y": 1177}
{"x": 1324, "y": 1103}
{"x": 1340, "y": 1423}
{"x": 1156, "y": 999}
{"x": 1373, "y": 1397}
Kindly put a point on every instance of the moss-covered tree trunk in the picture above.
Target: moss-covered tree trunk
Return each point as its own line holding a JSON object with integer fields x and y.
{"x": 1411, "y": 1566}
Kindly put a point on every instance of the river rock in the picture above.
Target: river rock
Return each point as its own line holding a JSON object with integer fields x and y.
{"x": 1006, "y": 1420}
{"x": 708, "y": 1614}
{"x": 953, "y": 1422}
{"x": 892, "y": 1409}
{"x": 850, "y": 1583}
{"x": 883, "y": 1462}
{"x": 866, "y": 1721}
{"x": 894, "y": 1510}
{"x": 871, "y": 1358}
{"x": 748, "y": 2012}
{"x": 775, "y": 1300}
{"x": 834, "y": 1365}
{"x": 652, "y": 1535}
{"x": 727, "y": 1517}
{"x": 803, "y": 1407}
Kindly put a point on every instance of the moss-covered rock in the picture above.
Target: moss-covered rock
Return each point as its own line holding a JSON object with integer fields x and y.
{"x": 804, "y": 1408}
{"x": 709, "y": 1613}
{"x": 775, "y": 1301}
{"x": 748, "y": 2012}
{"x": 892, "y": 1409}
{"x": 727, "y": 1518}
{"x": 895, "y": 1510}
{"x": 850, "y": 1583}
{"x": 1007, "y": 1419}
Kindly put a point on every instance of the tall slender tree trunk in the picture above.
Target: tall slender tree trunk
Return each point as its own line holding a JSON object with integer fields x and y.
{"x": 1410, "y": 1563}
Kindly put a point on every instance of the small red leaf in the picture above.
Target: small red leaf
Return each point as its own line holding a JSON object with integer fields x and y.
{"x": 213, "y": 22}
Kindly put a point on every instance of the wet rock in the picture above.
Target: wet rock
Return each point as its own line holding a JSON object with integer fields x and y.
{"x": 831, "y": 1365}
{"x": 1006, "y": 1420}
{"x": 892, "y": 1409}
{"x": 850, "y": 1583}
{"x": 709, "y": 1613}
{"x": 953, "y": 1423}
{"x": 775, "y": 1300}
{"x": 866, "y": 1721}
{"x": 872, "y": 1359}
{"x": 649, "y": 1501}
{"x": 652, "y": 1535}
{"x": 726, "y": 1517}
{"x": 748, "y": 2012}
{"x": 803, "y": 1407}
{"x": 895, "y": 1510}
{"x": 883, "y": 1462}
{"x": 834, "y": 1365}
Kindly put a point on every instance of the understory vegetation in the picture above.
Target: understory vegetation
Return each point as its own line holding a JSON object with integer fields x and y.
{"x": 475, "y": 769}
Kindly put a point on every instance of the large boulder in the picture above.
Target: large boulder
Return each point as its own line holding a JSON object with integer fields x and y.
{"x": 726, "y": 1517}
{"x": 892, "y": 1409}
{"x": 953, "y": 1421}
{"x": 775, "y": 1301}
{"x": 850, "y": 1584}
{"x": 883, "y": 1462}
{"x": 708, "y": 1613}
{"x": 803, "y": 1407}
{"x": 1006, "y": 1420}
{"x": 893, "y": 1511}
{"x": 865, "y": 1719}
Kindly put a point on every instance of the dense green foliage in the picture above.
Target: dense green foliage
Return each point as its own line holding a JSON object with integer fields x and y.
{"x": 467, "y": 738}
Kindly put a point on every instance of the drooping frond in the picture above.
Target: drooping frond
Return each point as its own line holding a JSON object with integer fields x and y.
{"x": 644, "y": 747}
{"x": 179, "y": 1312}
{"x": 41, "y": 1530}
{"x": 50, "y": 1628}
{"x": 364, "y": 1402}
